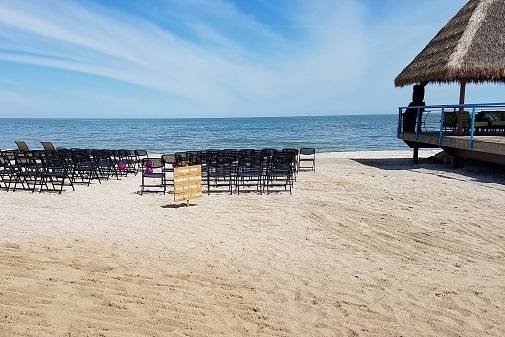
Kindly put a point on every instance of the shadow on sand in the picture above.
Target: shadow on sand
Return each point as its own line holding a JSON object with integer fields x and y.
{"x": 177, "y": 205}
{"x": 480, "y": 172}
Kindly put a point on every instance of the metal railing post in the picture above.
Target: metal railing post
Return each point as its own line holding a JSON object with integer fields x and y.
{"x": 442, "y": 121}
{"x": 472, "y": 127}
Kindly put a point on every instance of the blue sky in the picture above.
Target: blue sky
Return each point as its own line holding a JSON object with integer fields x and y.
{"x": 215, "y": 58}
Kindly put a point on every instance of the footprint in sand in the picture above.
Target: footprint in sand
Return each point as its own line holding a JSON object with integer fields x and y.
{"x": 12, "y": 245}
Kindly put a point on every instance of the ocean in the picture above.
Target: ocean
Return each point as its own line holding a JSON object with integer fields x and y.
{"x": 325, "y": 133}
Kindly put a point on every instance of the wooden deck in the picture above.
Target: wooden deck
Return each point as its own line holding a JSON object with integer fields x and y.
{"x": 486, "y": 148}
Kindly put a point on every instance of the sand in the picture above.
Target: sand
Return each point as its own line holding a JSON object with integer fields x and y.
{"x": 369, "y": 245}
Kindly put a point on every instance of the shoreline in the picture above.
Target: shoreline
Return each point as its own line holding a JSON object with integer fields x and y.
{"x": 376, "y": 153}
{"x": 423, "y": 153}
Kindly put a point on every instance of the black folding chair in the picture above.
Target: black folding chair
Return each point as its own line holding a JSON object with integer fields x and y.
{"x": 181, "y": 159}
{"x": 194, "y": 157}
{"x": 153, "y": 170}
{"x": 279, "y": 172}
{"x": 54, "y": 170}
{"x": 105, "y": 162}
{"x": 221, "y": 172}
{"x": 294, "y": 153}
{"x": 131, "y": 161}
{"x": 249, "y": 171}
{"x": 48, "y": 146}
{"x": 7, "y": 171}
{"x": 120, "y": 159}
{"x": 168, "y": 168}
{"x": 84, "y": 166}
{"x": 27, "y": 172}
{"x": 267, "y": 153}
{"x": 307, "y": 155}
{"x": 21, "y": 146}
{"x": 139, "y": 155}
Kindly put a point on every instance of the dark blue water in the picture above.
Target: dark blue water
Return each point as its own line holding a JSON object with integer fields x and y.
{"x": 328, "y": 133}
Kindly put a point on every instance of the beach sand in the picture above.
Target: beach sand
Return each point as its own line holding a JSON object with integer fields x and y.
{"x": 369, "y": 245}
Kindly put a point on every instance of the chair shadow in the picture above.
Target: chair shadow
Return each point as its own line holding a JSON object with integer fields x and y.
{"x": 182, "y": 205}
{"x": 248, "y": 192}
{"x": 480, "y": 172}
{"x": 153, "y": 193}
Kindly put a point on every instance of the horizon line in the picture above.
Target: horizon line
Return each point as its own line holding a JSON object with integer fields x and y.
{"x": 233, "y": 117}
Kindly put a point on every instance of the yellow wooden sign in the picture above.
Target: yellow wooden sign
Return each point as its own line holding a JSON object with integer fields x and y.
{"x": 187, "y": 183}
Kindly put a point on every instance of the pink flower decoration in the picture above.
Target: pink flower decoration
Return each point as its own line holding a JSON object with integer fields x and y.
{"x": 149, "y": 167}
{"x": 121, "y": 166}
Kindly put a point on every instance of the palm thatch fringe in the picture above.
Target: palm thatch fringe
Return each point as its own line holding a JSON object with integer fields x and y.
{"x": 470, "y": 48}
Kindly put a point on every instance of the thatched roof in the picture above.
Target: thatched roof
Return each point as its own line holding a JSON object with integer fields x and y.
{"x": 470, "y": 47}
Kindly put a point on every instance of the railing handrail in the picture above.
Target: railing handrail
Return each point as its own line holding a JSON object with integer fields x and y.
{"x": 472, "y": 107}
{"x": 445, "y": 106}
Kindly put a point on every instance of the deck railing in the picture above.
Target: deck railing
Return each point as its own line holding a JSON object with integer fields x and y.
{"x": 478, "y": 119}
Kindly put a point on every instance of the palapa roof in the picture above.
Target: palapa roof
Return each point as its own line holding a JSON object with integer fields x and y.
{"x": 471, "y": 47}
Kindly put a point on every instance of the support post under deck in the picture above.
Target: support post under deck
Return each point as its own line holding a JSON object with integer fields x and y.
{"x": 416, "y": 155}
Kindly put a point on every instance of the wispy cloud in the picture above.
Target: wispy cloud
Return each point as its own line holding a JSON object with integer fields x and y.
{"x": 216, "y": 69}
{"x": 206, "y": 55}
{"x": 7, "y": 96}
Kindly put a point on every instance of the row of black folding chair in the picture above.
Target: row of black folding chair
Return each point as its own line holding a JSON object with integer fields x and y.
{"x": 235, "y": 170}
{"x": 52, "y": 169}
{"x": 33, "y": 169}
{"x": 238, "y": 169}
{"x": 243, "y": 169}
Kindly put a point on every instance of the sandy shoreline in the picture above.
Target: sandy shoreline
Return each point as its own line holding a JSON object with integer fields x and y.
{"x": 368, "y": 246}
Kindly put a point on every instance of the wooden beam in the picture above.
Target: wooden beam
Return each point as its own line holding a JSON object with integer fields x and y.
{"x": 461, "y": 112}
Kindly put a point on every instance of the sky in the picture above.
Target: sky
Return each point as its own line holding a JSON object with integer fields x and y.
{"x": 216, "y": 58}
